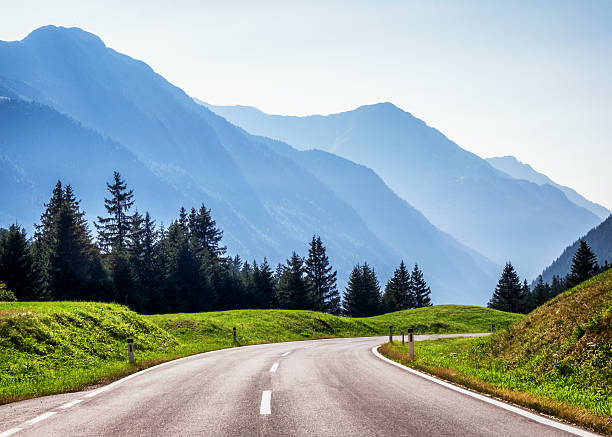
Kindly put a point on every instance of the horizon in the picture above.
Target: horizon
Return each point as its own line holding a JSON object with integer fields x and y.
{"x": 529, "y": 82}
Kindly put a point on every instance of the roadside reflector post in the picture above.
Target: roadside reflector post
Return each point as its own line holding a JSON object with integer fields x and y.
{"x": 234, "y": 333}
{"x": 390, "y": 334}
{"x": 314, "y": 332}
{"x": 403, "y": 338}
{"x": 493, "y": 329}
{"x": 130, "y": 343}
{"x": 411, "y": 343}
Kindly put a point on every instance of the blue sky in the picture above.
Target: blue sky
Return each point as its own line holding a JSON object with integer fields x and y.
{"x": 529, "y": 79}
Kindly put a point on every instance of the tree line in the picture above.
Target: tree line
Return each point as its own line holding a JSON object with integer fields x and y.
{"x": 511, "y": 295}
{"x": 182, "y": 268}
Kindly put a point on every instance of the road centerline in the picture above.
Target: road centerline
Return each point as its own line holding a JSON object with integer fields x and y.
{"x": 9, "y": 432}
{"x": 266, "y": 398}
{"x": 41, "y": 417}
{"x": 274, "y": 367}
{"x": 285, "y": 354}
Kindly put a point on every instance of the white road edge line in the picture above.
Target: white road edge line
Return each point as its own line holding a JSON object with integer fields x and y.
{"x": 9, "y": 432}
{"x": 41, "y": 417}
{"x": 71, "y": 403}
{"x": 274, "y": 367}
{"x": 536, "y": 417}
{"x": 266, "y": 397}
{"x": 285, "y": 354}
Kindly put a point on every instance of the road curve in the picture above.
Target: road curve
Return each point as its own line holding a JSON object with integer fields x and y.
{"x": 334, "y": 387}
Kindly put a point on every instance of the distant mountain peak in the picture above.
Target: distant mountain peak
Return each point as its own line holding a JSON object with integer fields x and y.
{"x": 51, "y": 33}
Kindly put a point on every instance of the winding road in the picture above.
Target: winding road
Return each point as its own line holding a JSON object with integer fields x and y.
{"x": 335, "y": 387}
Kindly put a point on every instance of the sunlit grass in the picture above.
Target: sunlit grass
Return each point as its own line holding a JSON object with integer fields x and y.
{"x": 52, "y": 347}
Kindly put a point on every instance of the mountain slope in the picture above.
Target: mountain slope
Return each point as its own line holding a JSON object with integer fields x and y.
{"x": 267, "y": 204}
{"x": 600, "y": 240}
{"x": 459, "y": 192}
{"x": 520, "y": 170}
{"x": 455, "y": 272}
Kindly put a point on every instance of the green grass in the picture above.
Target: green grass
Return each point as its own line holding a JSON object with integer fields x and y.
{"x": 53, "y": 347}
{"x": 558, "y": 359}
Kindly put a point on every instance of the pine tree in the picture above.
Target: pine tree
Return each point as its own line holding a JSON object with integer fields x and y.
{"x": 362, "y": 296}
{"x": 540, "y": 293}
{"x": 205, "y": 233}
{"x": 321, "y": 279}
{"x": 293, "y": 289}
{"x": 264, "y": 295}
{"x": 189, "y": 287}
{"x": 71, "y": 268}
{"x": 584, "y": 265}
{"x": 399, "y": 294}
{"x": 420, "y": 289}
{"x": 113, "y": 230}
{"x": 508, "y": 295}
{"x": 17, "y": 264}
{"x": 557, "y": 286}
{"x": 526, "y": 298}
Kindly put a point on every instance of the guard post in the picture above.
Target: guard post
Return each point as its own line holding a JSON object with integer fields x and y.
{"x": 130, "y": 343}
{"x": 234, "y": 333}
{"x": 390, "y": 334}
{"x": 411, "y": 343}
{"x": 493, "y": 329}
{"x": 403, "y": 338}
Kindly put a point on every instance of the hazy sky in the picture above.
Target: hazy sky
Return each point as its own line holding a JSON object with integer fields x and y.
{"x": 531, "y": 79}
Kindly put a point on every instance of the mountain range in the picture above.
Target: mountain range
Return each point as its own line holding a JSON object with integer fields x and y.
{"x": 599, "y": 239}
{"x": 73, "y": 109}
{"x": 519, "y": 170}
{"x": 502, "y": 217}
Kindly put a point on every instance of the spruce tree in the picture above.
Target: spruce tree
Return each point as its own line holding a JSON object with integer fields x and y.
{"x": 321, "y": 279}
{"x": 399, "y": 294}
{"x": 71, "y": 268}
{"x": 540, "y": 293}
{"x": 293, "y": 288}
{"x": 264, "y": 281}
{"x": 205, "y": 234}
{"x": 508, "y": 295}
{"x": 526, "y": 298}
{"x": 362, "y": 296}
{"x": 113, "y": 230}
{"x": 17, "y": 264}
{"x": 420, "y": 289}
{"x": 584, "y": 265}
{"x": 557, "y": 286}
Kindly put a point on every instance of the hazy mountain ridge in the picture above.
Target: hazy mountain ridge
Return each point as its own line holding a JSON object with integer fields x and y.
{"x": 172, "y": 151}
{"x": 600, "y": 240}
{"x": 459, "y": 192}
{"x": 520, "y": 170}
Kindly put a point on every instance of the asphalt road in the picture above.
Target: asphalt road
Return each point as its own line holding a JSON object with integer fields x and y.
{"x": 334, "y": 387}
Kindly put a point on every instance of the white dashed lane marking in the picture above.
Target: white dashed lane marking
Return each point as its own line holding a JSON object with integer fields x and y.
{"x": 285, "y": 354}
{"x": 274, "y": 367}
{"x": 42, "y": 417}
{"x": 266, "y": 397}
{"x": 9, "y": 432}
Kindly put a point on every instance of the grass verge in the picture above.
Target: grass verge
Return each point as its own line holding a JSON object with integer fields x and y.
{"x": 54, "y": 347}
{"x": 557, "y": 359}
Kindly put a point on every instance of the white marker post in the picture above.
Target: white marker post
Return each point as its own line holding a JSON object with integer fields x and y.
{"x": 390, "y": 334}
{"x": 130, "y": 343}
{"x": 411, "y": 343}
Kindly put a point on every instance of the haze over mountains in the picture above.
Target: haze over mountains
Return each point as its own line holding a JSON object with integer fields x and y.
{"x": 599, "y": 239}
{"x": 501, "y": 217}
{"x": 519, "y": 170}
{"x": 75, "y": 110}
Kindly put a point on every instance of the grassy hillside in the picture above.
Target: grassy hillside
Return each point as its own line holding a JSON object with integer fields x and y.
{"x": 558, "y": 359}
{"x": 51, "y": 347}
